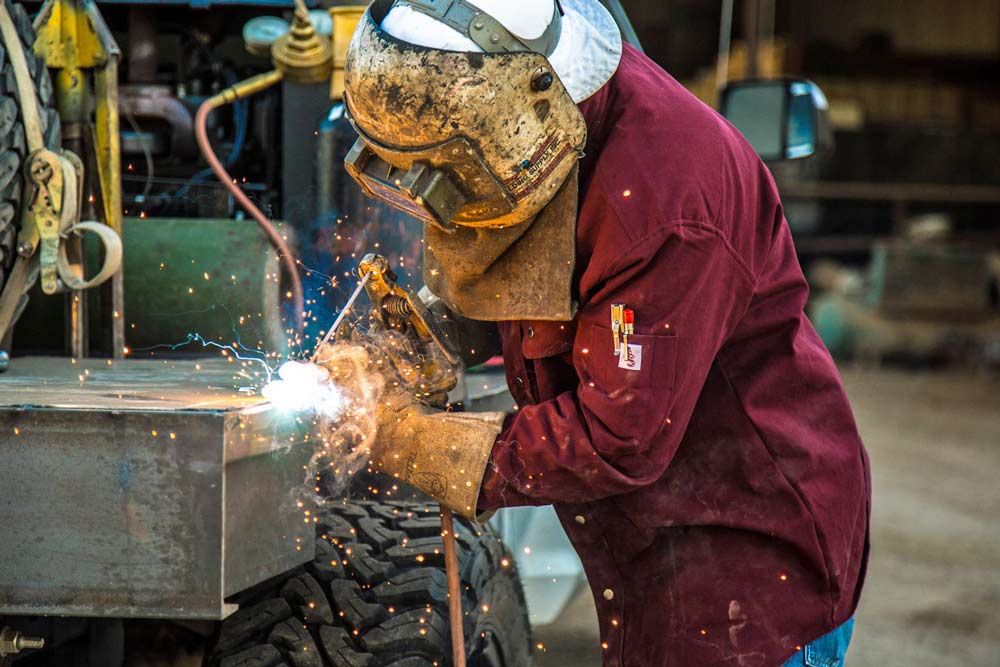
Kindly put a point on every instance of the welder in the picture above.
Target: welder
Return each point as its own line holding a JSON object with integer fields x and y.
{"x": 626, "y": 250}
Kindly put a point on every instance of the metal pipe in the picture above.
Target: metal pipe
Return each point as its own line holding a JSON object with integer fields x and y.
{"x": 240, "y": 90}
{"x": 767, "y": 20}
{"x": 751, "y": 16}
{"x": 143, "y": 56}
{"x": 157, "y": 102}
{"x": 107, "y": 146}
{"x": 725, "y": 44}
{"x": 72, "y": 94}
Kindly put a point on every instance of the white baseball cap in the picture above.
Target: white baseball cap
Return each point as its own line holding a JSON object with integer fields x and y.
{"x": 586, "y": 57}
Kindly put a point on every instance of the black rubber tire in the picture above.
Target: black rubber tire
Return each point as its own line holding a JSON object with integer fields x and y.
{"x": 376, "y": 596}
{"x": 13, "y": 147}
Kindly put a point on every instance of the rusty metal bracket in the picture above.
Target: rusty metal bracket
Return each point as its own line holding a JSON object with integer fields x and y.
{"x": 50, "y": 217}
{"x": 41, "y": 214}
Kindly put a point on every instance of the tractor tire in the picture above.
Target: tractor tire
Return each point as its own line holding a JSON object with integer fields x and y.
{"x": 376, "y": 595}
{"x": 13, "y": 146}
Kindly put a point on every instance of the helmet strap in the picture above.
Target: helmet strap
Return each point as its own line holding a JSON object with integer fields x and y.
{"x": 487, "y": 32}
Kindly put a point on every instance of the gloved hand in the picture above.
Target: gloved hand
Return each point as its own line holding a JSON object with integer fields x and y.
{"x": 444, "y": 454}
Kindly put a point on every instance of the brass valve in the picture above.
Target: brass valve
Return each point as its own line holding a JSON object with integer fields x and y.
{"x": 301, "y": 54}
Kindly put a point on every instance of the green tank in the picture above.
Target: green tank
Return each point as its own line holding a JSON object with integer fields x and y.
{"x": 217, "y": 279}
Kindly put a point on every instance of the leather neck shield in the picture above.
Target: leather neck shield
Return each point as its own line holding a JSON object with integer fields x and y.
{"x": 523, "y": 272}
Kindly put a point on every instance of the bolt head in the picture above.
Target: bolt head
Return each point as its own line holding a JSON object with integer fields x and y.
{"x": 24, "y": 248}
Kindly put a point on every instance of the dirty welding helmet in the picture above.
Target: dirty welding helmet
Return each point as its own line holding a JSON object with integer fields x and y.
{"x": 467, "y": 119}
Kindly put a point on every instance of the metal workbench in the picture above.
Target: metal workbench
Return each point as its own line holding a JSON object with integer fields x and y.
{"x": 143, "y": 489}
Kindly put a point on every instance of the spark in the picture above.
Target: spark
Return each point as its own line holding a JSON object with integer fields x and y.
{"x": 234, "y": 349}
{"x": 305, "y": 388}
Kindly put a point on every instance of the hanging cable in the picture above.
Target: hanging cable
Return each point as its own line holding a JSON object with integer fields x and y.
{"x": 146, "y": 152}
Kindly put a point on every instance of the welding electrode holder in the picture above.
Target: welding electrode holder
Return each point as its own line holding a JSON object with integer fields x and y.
{"x": 430, "y": 369}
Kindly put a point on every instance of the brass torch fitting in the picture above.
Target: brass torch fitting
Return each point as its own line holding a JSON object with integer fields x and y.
{"x": 301, "y": 54}
{"x": 246, "y": 88}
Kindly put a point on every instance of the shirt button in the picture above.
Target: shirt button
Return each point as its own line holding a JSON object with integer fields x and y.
{"x": 609, "y": 594}
{"x": 580, "y": 519}
{"x": 531, "y": 332}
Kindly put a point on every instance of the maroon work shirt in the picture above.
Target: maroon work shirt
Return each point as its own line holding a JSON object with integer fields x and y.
{"x": 718, "y": 494}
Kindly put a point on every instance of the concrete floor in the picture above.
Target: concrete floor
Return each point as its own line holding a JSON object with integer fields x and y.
{"x": 933, "y": 591}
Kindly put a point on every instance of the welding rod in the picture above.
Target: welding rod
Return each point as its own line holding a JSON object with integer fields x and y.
{"x": 454, "y": 587}
{"x": 343, "y": 313}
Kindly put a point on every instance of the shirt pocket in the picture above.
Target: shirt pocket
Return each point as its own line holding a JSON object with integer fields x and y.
{"x": 632, "y": 402}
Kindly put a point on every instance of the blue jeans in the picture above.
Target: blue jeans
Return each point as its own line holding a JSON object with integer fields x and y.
{"x": 827, "y": 651}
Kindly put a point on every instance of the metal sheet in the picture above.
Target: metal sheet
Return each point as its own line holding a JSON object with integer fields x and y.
{"x": 148, "y": 490}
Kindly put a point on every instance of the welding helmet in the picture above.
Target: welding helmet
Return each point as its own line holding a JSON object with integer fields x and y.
{"x": 465, "y": 122}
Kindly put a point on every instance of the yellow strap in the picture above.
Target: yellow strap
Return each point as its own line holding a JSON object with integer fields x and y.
{"x": 19, "y": 281}
{"x": 112, "y": 256}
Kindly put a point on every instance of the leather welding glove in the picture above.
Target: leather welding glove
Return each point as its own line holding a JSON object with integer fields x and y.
{"x": 444, "y": 454}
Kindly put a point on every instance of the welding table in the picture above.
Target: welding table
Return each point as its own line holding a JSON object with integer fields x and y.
{"x": 143, "y": 489}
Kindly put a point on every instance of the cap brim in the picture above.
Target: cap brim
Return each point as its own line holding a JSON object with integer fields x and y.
{"x": 589, "y": 49}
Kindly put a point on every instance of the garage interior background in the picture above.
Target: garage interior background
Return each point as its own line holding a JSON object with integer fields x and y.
{"x": 898, "y": 231}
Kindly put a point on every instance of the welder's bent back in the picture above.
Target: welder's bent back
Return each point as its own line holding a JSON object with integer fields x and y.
{"x": 688, "y": 424}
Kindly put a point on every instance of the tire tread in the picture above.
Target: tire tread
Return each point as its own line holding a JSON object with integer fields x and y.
{"x": 379, "y": 596}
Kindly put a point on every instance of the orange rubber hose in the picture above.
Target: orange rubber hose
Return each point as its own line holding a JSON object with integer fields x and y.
{"x": 284, "y": 253}
{"x": 454, "y": 588}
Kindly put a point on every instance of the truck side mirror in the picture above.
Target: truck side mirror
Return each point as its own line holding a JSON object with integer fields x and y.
{"x": 782, "y": 119}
